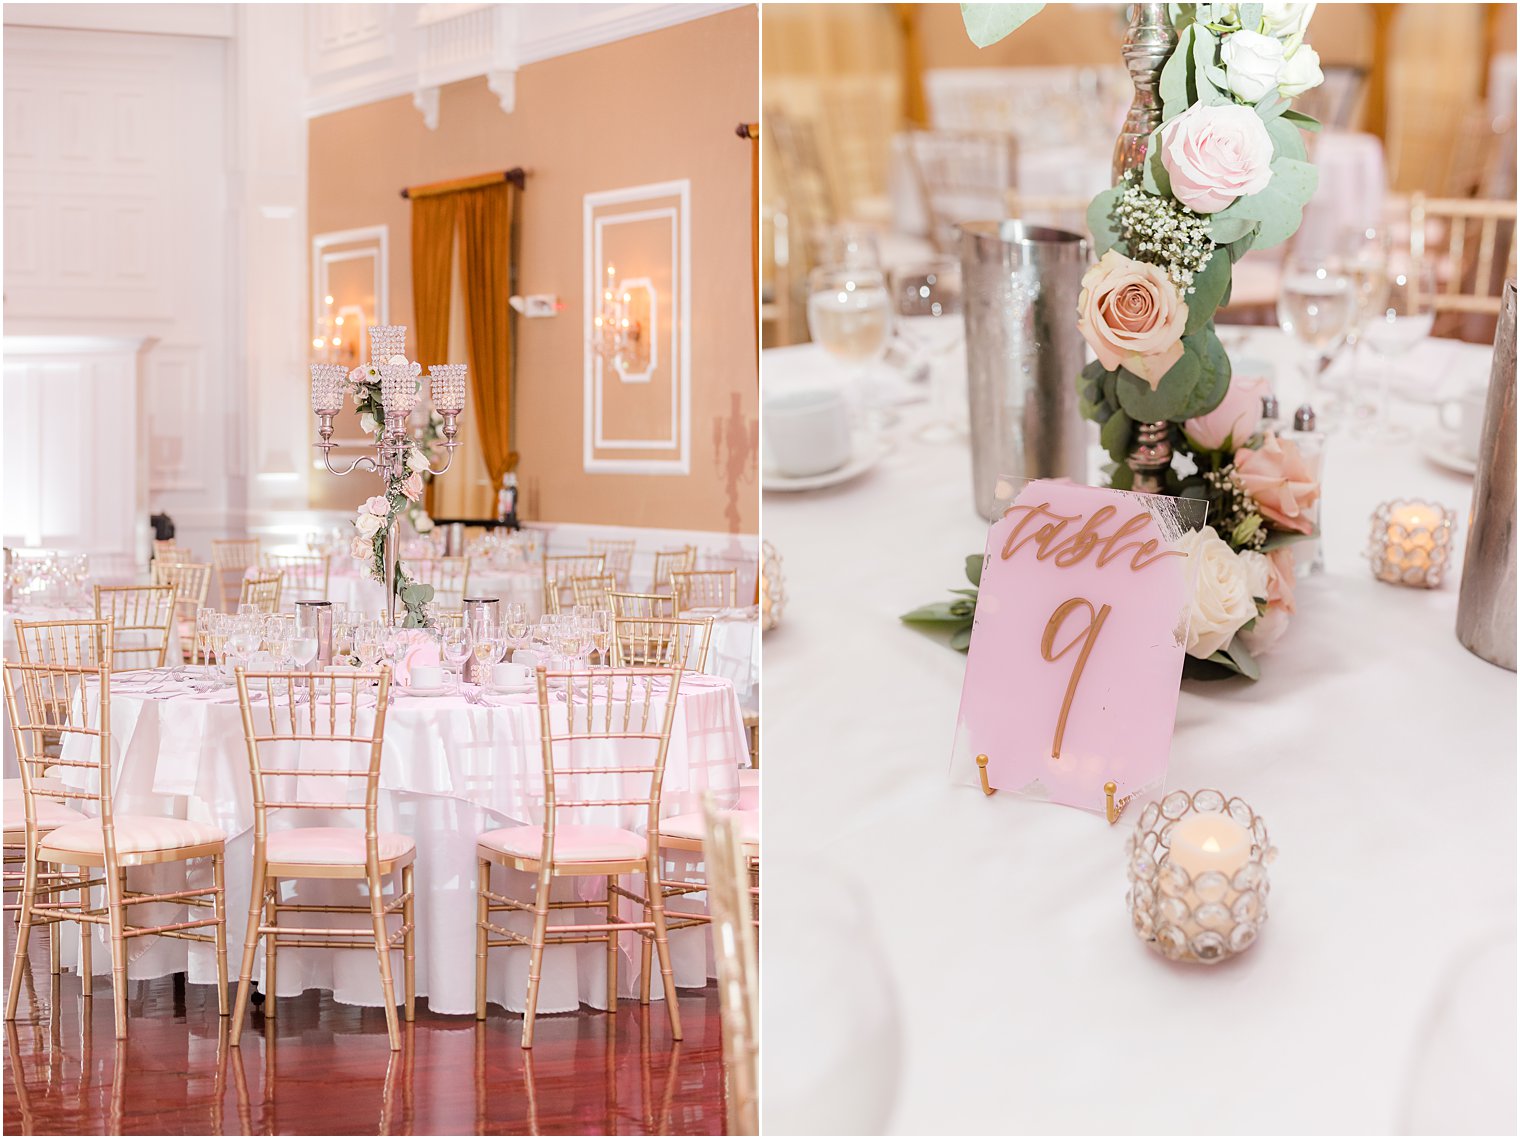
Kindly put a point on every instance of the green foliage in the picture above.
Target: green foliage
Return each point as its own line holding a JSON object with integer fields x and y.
{"x": 988, "y": 23}
{"x": 1100, "y": 219}
{"x": 1208, "y": 289}
{"x": 952, "y": 617}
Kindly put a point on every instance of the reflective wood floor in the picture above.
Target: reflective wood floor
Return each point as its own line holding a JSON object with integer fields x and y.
{"x": 327, "y": 1069}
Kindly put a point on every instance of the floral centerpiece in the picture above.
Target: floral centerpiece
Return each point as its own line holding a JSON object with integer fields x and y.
{"x": 1225, "y": 171}
{"x": 403, "y": 493}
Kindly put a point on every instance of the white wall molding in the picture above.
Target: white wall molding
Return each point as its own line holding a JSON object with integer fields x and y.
{"x": 150, "y": 19}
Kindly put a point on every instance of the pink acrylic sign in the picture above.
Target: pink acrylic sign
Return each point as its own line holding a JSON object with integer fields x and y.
{"x": 1076, "y": 652}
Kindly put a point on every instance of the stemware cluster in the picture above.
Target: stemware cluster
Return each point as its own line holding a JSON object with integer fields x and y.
{"x": 49, "y": 578}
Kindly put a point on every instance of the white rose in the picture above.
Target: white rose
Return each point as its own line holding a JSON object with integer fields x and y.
{"x": 1222, "y": 600}
{"x": 1286, "y": 21}
{"x": 1258, "y": 572}
{"x": 1300, "y": 72}
{"x": 368, "y": 524}
{"x": 1252, "y": 64}
{"x": 419, "y": 461}
{"x": 422, "y": 524}
{"x": 367, "y": 423}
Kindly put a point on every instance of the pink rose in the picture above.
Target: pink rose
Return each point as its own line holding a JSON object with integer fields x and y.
{"x": 1281, "y": 481}
{"x": 1234, "y": 421}
{"x": 361, "y": 549}
{"x": 377, "y": 506}
{"x": 412, "y": 487}
{"x": 1215, "y": 155}
{"x": 1272, "y": 624}
{"x": 1132, "y": 315}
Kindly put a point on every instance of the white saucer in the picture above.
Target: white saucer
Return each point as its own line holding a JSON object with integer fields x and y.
{"x": 868, "y": 450}
{"x": 512, "y": 689}
{"x": 1445, "y": 452}
{"x": 435, "y": 690}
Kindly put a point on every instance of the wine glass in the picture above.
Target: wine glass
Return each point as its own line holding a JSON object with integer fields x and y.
{"x": 849, "y": 315}
{"x": 601, "y": 633}
{"x": 367, "y": 645}
{"x": 1362, "y": 254}
{"x": 456, "y": 648}
{"x": 926, "y": 296}
{"x": 1316, "y": 306}
{"x": 1403, "y": 318}
{"x": 489, "y": 643}
{"x": 850, "y": 245}
{"x": 516, "y": 626}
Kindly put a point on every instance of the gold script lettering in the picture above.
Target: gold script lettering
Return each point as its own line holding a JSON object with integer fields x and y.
{"x": 1087, "y": 638}
{"x": 1069, "y": 551}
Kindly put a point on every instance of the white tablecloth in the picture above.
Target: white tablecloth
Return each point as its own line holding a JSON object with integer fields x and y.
{"x": 449, "y": 772}
{"x": 734, "y": 652}
{"x": 366, "y": 595}
{"x": 1379, "y": 750}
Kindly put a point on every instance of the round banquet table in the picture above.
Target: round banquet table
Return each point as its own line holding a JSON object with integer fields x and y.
{"x": 1381, "y": 995}
{"x": 355, "y": 591}
{"x": 734, "y": 651}
{"x": 450, "y": 771}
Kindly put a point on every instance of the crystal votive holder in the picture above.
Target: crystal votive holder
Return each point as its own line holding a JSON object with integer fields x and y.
{"x": 1213, "y": 912}
{"x": 1410, "y": 543}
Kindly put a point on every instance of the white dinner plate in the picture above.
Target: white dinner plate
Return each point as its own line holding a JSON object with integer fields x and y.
{"x": 435, "y": 690}
{"x": 1445, "y": 452}
{"x": 868, "y": 450}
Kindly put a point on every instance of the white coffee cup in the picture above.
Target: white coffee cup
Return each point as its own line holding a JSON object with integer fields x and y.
{"x": 427, "y": 676}
{"x": 807, "y": 431}
{"x": 1468, "y": 409}
{"x": 510, "y": 675}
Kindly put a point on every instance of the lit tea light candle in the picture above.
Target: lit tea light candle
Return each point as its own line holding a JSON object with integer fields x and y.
{"x": 1204, "y": 842}
{"x": 1410, "y": 543}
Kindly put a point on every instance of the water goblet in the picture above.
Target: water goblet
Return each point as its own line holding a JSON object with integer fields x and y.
{"x": 849, "y": 314}
{"x": 1316, "y": 306}
{"x": 455, "y": 649}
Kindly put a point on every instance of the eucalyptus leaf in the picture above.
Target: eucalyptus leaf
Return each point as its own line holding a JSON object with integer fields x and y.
{"x": 1154, "y": 177}
{"x": 1226, "y": 228}
{"x": 960, "y": 640}
{"x": 1214, "y": 372}
{"x": 935, "y": 614}
{"x": 1250, "y": 16}
{"x": 1208, "y": 287}
{"x": 1115, "y": 434}
{"x": 1271, "y": 105}
{"x": 1307, "y": 122}
{"x": 1176, "y": 77}
{"x": 1100, "y": 221}
{"x": 1206, "y": 56}
{"x": 1121, "y": 477}
{"x": 1240, "y": 247}
{"x": 986, "y": 24}
{"x": 1170, "y": 396}
{"x": 1237, "y": 656}
{"x": 974, "y": 568}
{"x": 1287, "y": 139}
{"x": 1277, "y": 539}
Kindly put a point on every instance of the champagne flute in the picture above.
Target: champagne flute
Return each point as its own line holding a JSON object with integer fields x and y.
{"x": 1316, "y": 307}
{"x": 849, "y": 315}
{"x": 1363, "y": 257}
{"x": 367, "y": 645}
{"x": 456, "y": 650}
{"x": 1405, "y": 317}
{"x": 489, "y": 644}
{"x": 926, "y": 296}
{"x": 601, "y": 633}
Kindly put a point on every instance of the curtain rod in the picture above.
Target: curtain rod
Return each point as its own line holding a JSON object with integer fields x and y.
{"x": 517, "y": 176}
{"x": 748, "y": 130}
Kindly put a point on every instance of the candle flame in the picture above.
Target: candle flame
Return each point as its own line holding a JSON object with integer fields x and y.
{"x": 1211, "y": 844}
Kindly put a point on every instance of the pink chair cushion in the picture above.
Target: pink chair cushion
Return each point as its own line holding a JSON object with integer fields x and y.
{"x": 50, "y": 812}
{"x": 571, "y": 843}
{"x": 135, "y": 834}
{"x": 694, "y": 827}
{"x": 749, "y": 789}
{"x": 332, "y": 846}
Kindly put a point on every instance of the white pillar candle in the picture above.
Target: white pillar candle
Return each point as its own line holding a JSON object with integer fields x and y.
{"x": 1209, "y": 841}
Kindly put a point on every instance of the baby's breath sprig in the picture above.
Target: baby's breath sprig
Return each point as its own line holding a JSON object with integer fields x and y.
{"x": 1234, "y": 511}
{"x": 1164, "y": 232}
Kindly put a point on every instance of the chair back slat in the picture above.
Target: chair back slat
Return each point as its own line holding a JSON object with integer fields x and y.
{"x": 667, "y": 562}
{"x": 449, "y": 577}
{"x": 705, "y": 589}
{"x": 594, "y": 591}
{"x": 191, "y": 582}
{"x": 618, "y": 553}
{"x": 306, "y": 575}
{"x": 644, "y": 605}
{"x": 232, "y": 557}
{"x": 1461, "y": 239}
{"x": 262, "y": 592}
{"x": 142, "y": 620}
{"x": 561, "y": 569}
{"x": 670, "y": 642}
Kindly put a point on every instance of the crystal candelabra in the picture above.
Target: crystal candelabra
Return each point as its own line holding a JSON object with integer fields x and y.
{"x": 398, "y": 395}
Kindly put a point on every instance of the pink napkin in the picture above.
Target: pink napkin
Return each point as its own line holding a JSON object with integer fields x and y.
{"x": 423, "y": 654}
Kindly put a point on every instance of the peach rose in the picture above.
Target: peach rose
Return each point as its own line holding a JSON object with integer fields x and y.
{"x": 412, "y": 487}
{"x": 1132, "y": 315}
{"x": 1272, "y": 624}
{"x": 1234, "y": 421}
{"x": 361, "y": 549}
{"x": 1281, "y": 481}
{"x": 1215, "y": 155}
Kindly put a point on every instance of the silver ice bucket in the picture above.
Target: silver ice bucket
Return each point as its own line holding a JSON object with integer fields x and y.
{"x": 316, "y": 619}
{"x": 474, "y": 609}
{"x": 1023, "y": 353}
{"x": 1486, "y": 606}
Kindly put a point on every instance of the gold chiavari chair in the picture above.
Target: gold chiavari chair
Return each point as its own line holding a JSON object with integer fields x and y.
{"x": 656, "y": 642}
{"x": 618, "y": 553}
{"x": 232, "y": 557}
{"x": 667, "y": 562}
{"x": 109, "y": 843}
{"x": 305, "y": 574}
{"x": 263, "y": 592}
{"x": 80, "y": 643}
{"x": 168, "y": 550}
{"x": 192, "y": 585}
{"x": 736, "y": 953}
{"x": 644, "y": 605}
{"x": 616, "y": 706}
{"x": 449, "y": 577}
{"x": 1479, "y": 233}
{"x": 704, "y": 589}
{"x": 594, "y": 591}
{"x": 142, "y": 621}
{"x": 561, "y": 569}
{"x": 281, "y": 733}
{"x": 453, "y": 618}
{"x": 962, "y": 175}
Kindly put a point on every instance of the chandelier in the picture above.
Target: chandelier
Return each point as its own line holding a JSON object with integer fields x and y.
{"x": 329, "y": 345}
{"x": 617, "y": 335}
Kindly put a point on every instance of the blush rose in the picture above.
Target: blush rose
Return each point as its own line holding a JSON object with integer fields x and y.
{"x": 1214, "y": 155}
{"x": 1132, "y": 315}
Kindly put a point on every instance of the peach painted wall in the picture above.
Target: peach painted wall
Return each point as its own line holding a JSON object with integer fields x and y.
{"x": 654, "y": 108}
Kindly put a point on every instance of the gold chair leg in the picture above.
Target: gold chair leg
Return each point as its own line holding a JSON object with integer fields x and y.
{"x": 23, "y": 936}
{"x": 612, "y": 945}
{"x": 86, "y": 938}
{"x": 271, "y": 947}
{"x": 54, "y": 936}
{"x": 250, "y": 948}
{"x": 662, "y": 947}
{"x": 646, "y": 956}
{"x": 116, "y": 909}
{"x": 219, "y": 880}
{"x": 382, "y": 951}
{"x": 482, "y": 915}
{"x": 408, "y": 916}
{"x": 536, "y": 960}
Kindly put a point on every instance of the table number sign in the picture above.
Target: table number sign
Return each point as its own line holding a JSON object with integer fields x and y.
{"x": 1076, "y": 653}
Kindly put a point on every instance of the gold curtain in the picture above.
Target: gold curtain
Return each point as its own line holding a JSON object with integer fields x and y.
{"x": 915, "y": 107}
{"x": 486, "y": 219}
{"x": 433, "y": 221}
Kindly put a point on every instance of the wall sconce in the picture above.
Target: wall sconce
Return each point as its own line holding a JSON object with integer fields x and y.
{"x": 622, "y": 330}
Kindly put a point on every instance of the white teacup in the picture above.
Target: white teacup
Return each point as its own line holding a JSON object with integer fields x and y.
{"x": 510, "y": 675}
{"x": 427, "y": 676}
{"x": 1468, "y": 410}
{"x": 807, "y": 431}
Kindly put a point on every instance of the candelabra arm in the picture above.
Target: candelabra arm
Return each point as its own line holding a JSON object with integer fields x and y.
{"x": 367, "y": 463}
{"x": 447, "y": 463}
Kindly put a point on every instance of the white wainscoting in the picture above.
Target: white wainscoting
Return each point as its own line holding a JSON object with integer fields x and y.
{"x": 74, "y": 464}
